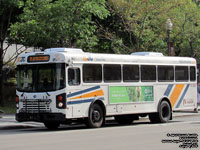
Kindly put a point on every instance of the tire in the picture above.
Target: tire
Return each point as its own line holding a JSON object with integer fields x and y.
{"x": 52, "y": 125}
{"x": 96, "y": 117}
{"x": 124, "y": 119}
{"x": 153, "y": 118}
{"x": 143, "y": 115}
{"x": 163, "y": 115}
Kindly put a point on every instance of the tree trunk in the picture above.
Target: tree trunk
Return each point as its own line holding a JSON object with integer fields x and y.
{"x": 1, "y": 74}
{"x": 191, "y": 47}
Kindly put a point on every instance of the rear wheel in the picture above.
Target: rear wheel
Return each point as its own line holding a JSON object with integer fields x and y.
{"x": 52, "y": 125}
{"x": 163, "y": 115}
{"x": 96, "y": 116}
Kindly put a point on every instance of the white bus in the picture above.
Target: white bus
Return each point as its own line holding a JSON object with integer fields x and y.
{"x": 63, "y": 85}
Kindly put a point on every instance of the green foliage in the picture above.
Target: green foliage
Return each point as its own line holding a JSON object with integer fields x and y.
{"x": 186, "y": 31}
{"x": 8, "y": 14}
{"x": 140, "y": 26}
{"x": 60, "y": 23}
{"x": 121, "y": 26}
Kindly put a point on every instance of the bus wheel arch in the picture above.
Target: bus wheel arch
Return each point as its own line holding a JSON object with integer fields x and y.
{"x": 96, "y": 114}
{"x": 167, "y": 100}
{"x": 164, "y": 112}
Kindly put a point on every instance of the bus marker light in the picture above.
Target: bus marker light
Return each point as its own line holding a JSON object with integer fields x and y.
{"x": 60, "y": 98}
{"x": 17, "y": 99}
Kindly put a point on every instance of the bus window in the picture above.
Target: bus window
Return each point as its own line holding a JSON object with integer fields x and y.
{"x": 92, "y": 73}
{"x": 192, "y": 74}
{"x": 165, "y": 73}
{"x": 148, "y": 73}
{"x": 130, "y": 73}
{"x": 73, "y": 76}
{"x": 181, "y": 73}
{"x": 112, "y": 73}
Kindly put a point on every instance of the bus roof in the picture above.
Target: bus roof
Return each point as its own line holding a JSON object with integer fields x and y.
{"x": 70, "y": 55}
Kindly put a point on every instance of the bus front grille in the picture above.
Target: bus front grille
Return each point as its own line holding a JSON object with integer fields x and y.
{"x": 36, "y": 106}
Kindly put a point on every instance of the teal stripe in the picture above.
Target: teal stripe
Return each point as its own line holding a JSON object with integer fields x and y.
{"x": 83, "y": 91}
{"x": 83, "y": 101}
{"x": 168, "y": 90}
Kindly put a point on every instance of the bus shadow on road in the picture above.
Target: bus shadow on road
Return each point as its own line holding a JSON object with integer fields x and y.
{"x": 109, "y": 124}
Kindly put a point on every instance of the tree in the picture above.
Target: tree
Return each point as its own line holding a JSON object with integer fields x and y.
{"x": 8, "y": 15}
{"x": 186, "y": 31}
{"x": 140, "y": 23}
{"x": 59, "y": 23}
{"x": 140, "y": 26}
{"x": 197, "y": 2}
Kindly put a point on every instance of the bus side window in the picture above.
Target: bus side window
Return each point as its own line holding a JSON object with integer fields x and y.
{"x": 181, "y": 73}
{"x": 192, "y": 73}
{"x": 73, "y": 76}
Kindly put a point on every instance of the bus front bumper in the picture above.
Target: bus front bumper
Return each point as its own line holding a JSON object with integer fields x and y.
{"x": 40, "y": 117}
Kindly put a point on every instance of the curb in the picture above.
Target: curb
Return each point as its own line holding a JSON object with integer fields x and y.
{"x": 14, "y": 125}
{"x": 1, "y": 113}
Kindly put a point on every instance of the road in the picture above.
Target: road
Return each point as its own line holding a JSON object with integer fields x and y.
{"x": 141, "y": 135}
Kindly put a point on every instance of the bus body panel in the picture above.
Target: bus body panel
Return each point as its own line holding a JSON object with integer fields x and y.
{"x": 119, "y": 98}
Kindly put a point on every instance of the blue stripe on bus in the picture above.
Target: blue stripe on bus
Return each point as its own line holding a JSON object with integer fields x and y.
{"x": 183, "y": 95}
{"x": 168, "y": 90}
{"x": 83, "y": 91}
{"x": 83, "y": 101}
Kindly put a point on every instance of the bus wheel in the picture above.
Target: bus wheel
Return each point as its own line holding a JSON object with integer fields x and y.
{"x": 163, "y": 115}
{"x": 52, "y": 125}
{"x": 124, "y": 119}
{"x": 96, "y": 117}
{"x": 153, "y": 117}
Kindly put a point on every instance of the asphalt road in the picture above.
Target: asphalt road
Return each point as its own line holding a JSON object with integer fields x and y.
{"x": 141, "y": 135}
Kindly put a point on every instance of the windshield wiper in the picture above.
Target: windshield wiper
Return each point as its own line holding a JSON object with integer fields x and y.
{"x": 46, "y": 91}
{"x": 22, "y": 94}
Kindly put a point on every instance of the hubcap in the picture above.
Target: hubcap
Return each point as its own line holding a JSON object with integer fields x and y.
{"x": 96, "y": 116}
{"x": 165, "y": 112}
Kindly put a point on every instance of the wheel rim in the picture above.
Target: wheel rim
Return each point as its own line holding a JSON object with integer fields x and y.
{"x": 96, "y": 116}
{"x": 165, "y": 112}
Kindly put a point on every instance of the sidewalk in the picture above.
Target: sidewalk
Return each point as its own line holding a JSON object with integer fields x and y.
{"x": 8, "y": 121}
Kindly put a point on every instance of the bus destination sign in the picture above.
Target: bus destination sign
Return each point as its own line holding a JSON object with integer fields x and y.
{"x": 43, "y": 58}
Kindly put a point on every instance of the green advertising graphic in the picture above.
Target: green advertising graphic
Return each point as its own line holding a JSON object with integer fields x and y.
{"x": 124, "y": 94}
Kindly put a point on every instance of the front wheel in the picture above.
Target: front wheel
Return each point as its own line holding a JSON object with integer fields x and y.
{"x": 95, "y": 118}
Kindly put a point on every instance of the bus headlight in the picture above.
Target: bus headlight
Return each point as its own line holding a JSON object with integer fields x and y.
{"x": 17, "y": 106}
{"x": 60, "y": 104}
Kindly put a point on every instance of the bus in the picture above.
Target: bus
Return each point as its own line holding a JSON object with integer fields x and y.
{"x": 65, "y": 85}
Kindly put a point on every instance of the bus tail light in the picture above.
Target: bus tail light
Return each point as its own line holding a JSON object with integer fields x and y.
{"x": 61, "y": 101}
{"x": 17, "y": 101}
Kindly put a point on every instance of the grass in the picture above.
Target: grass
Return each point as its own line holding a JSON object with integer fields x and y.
{"x": 9, "y": 108}
{"x": 9, "y": 91}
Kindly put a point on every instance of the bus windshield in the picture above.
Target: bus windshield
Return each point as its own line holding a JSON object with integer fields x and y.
{"x": 40, "y": 77}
